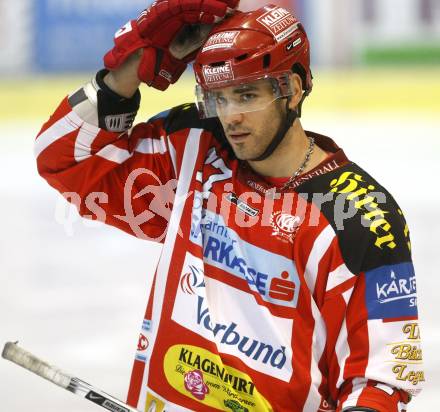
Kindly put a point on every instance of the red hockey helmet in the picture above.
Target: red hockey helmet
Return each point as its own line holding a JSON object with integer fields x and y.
{"x": 268, "y": 43}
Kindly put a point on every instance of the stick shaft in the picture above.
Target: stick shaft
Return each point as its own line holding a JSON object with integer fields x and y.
{"x": 27, "y": 360}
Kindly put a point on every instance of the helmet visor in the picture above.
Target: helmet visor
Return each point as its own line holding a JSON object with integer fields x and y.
{"x": 249, "y": 95}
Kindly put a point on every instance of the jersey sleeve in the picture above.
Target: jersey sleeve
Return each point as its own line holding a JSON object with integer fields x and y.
{"x": 125, "y": 179}
{"x": 367, "y": 297}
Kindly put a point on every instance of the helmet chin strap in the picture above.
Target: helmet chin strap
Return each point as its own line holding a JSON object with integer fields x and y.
{"x": 291, "y": 116}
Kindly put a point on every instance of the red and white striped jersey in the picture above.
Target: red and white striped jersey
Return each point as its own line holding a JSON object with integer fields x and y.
{"x": 303, "y": 300}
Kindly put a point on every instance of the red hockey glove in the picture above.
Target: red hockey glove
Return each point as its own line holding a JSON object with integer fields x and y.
{"x": 164, "y": 31}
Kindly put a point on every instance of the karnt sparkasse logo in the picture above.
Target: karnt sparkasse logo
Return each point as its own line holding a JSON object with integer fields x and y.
{"x": 391, "y": 292}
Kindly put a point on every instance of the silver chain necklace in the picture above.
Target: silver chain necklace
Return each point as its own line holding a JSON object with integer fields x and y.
{"x": 303, "y": 165}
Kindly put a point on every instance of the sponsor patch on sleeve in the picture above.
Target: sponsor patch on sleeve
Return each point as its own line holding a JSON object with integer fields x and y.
{"x": 391, "y": 292}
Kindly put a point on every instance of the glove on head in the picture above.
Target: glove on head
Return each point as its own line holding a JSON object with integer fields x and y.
{"x": 162, "y": 31}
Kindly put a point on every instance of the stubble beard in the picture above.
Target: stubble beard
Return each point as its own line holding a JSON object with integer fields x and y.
{"x": 241, "y": 151}
{"x": 248, "y": 150}
{"x": 255, "y": 144}
{"x": 258, "y": 140}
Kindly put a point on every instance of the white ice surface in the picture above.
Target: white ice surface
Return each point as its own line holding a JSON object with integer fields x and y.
{"x": 75, "y": 295}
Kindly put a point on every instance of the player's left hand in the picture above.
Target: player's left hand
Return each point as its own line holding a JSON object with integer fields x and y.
{"x": 170, "y": 32}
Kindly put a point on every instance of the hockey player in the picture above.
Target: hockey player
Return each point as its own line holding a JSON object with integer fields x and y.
{"x": 285, "y": 281}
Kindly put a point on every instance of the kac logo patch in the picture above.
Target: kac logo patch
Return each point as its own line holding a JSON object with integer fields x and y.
{"x": 284, "y": 225}
{"x": 391, "y": 292}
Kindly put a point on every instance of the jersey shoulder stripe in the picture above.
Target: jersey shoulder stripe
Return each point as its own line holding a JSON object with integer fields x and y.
{"x": 186, "y": 116}
{"x": 161, "y": 115}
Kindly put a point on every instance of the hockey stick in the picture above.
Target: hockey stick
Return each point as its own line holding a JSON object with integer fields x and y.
{"x": 19, "y": 356}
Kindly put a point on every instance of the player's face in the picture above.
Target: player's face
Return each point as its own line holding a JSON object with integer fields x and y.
{"x": 249, "y": 132}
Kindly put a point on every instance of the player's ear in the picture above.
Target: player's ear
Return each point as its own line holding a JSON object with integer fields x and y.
{"x": 296, "y": 86}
